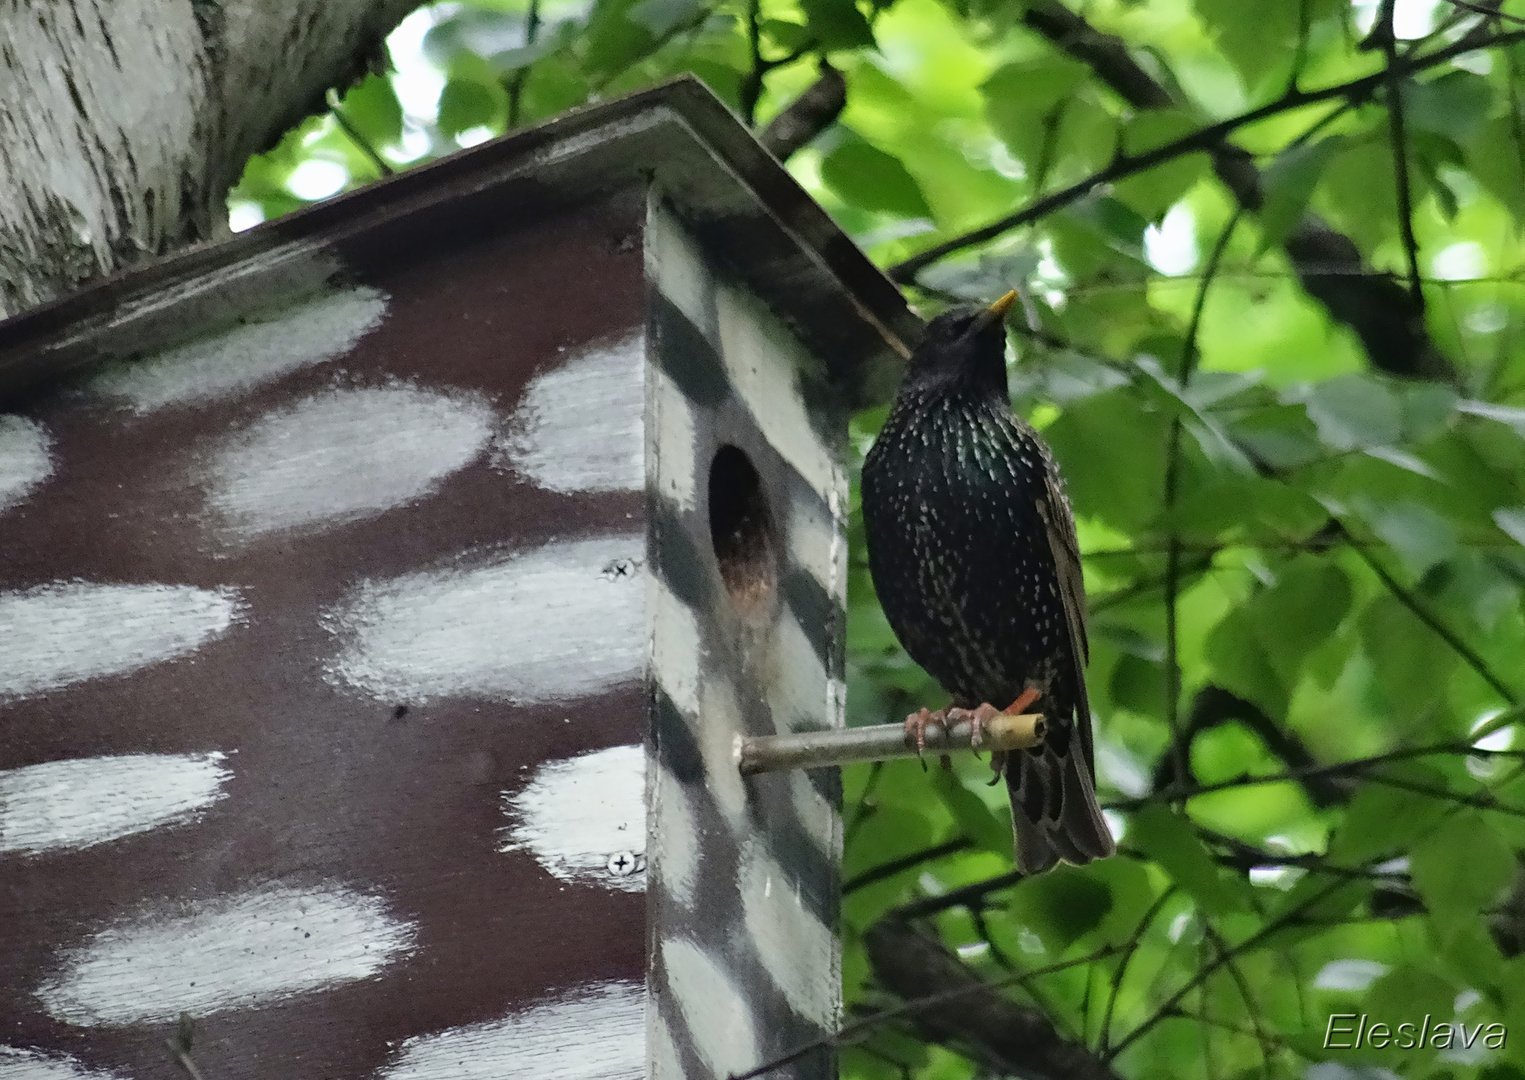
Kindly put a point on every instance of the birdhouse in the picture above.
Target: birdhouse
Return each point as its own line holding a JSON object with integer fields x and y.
{"x": 383, "y": 595}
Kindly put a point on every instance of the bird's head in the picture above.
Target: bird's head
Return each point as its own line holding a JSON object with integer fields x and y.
{"x": 965, "y": 343}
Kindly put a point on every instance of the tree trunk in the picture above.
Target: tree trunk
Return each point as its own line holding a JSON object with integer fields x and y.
{"x": 123, "y": 123}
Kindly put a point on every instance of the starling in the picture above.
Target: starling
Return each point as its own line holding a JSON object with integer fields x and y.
{"x": 971, "y": 545}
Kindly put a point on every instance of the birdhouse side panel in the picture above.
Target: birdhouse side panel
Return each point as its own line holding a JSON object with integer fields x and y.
{"x": 748, "y": 490}
{"x": 322, "y": 684}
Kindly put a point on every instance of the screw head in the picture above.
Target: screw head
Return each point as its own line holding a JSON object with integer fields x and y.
{"x": 624, "y": 863}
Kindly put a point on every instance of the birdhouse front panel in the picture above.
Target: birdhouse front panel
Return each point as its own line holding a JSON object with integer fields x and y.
{"x": 749, "y": 500}
{"x": 322, "y": 672}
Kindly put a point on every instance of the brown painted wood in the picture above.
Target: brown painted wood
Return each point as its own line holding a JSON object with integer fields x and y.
{"x": 393, "y": 798}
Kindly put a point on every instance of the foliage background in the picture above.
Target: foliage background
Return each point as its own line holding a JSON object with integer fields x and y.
{"x": 1303, "y": 518}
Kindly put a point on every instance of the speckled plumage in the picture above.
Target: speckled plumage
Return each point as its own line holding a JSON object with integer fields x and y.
{"x": 972, "y": 549}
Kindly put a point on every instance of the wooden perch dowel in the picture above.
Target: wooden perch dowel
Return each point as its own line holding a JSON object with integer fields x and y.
{"x": 814, "y": 749}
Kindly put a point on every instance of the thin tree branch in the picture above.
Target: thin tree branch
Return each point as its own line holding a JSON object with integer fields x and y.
{"x": 969, "y": 895}
{"x": 1172, "y": 480}
{"x": 1469, "y": 655}
{"x": 1226, "y": 1025}
{"x": 1104, "y": 1037}
{"x": 752, "y": 83}
{"x": 815, "y": 110}
{"x": 1352, "y": 767}
{"x": 517, "y": 83}
{"x": 1476, "y": 800}
{"x": 962, "y": 984}
{"x": 1491, "y": 10}
{"x": 887, "y": 870}
{"x": 351, "y": 132}
{"x": 1213, "y": 706}
{"x": 1387, "y": 40}
{"x": 1223, "y": 957}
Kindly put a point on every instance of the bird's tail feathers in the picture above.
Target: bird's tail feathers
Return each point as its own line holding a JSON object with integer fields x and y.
{"x": 1053, "y": 810}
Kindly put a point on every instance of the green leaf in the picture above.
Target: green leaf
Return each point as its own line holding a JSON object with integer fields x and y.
{"x": 1495, "y": 158}
{"x": 1289, "y": 184}
{"x": 1360, "y": 190}
{"x": 1216, "y": 445}
{"x": 1355, "y": 411}
{"x": 1420, "y": 537}
{"x": 1157, "y": 189}
{"x": 1382, "y": 820}
{"x": 1062, "y": 906}
{"x": 1411, "y": 664}
{"x": 837, "y": 24}
{"x": 466, "y": 104}
{"x": 973, "y": 816}
{"x": 659, "y": 17}
{"x": 372, "y": 107}
{"x": 863, "y": 174}
{"x": 1168, "y": 839}
{"x": 1121, "y": 482}
{"x": 1407, "y": 994}
{"x": 550, "y": 40}
{"x": 1511, "y": 521}
{"x": 1454, "y": 105}
{"x": 786, "y": 35}
{"x": 1461, "y": 867}
{"x": 1259, "y": 649}
{"x": 1260, "y": 40}
{"x": 1038, "y": 83}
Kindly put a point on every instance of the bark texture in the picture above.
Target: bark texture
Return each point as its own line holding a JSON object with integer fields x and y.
{"x": 125, "y": 122}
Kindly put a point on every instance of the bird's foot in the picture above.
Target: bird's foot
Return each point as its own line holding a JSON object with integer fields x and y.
{"x": 916, "y": 725}
{"x": 978, "y": 718}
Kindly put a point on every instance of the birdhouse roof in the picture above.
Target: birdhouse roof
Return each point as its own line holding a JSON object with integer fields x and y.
{"x": 677, "y": 140}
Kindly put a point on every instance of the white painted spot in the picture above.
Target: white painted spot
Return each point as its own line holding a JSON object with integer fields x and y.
{"x": 718, "y": 1016}
{"x": 18, "y": 1064}
{"x": 796, "y": 686}
{"x": 234, "y": 952}
{"x": 581, "y": 426}
{"x": 663, "y": 1060}
{"x": 676, "y": 840}
{"x": 784, "y": 931}
{"x": 816, "y": 812}
{"x": 763, "y": 361}
{"x": 675, "y": 649}
{"x": 716, "y": 726}
{"x": 592, "y": 1033}
{"x": 671, "y": 438}
{"x": 341, "y": 456}
{"x": 558, "y": 622}
{"x": 71, "y": 631}
{"x": 25, "y": 458}
{"x": 254, "y": 353}
{"x": 82, "y": 802}
{"x": 576, "y": 814}
{"x": 681, "y": 272}
{"x": 813, "y": 541}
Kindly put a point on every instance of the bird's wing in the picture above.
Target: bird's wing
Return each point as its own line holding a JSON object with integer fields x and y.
{"x": 1059, "y": 526}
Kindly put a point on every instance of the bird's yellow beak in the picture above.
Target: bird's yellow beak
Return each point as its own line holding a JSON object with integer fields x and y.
{"x": 1003, "y": 305}
{"x": 995, "y": 312}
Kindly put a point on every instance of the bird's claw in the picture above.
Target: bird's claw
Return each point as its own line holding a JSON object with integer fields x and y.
{"x": 978, "y": 718}
{"x": 916, "y": 725}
